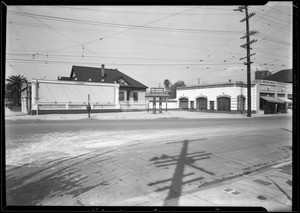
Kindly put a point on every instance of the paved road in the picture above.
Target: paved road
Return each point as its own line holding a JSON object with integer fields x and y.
{"x": 92, "y": 162}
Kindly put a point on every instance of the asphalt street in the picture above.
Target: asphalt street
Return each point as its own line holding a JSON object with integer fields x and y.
{"x": 96, "y": 162}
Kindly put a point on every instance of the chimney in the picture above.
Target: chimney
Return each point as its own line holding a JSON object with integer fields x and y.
{"x": 102, "y": 71}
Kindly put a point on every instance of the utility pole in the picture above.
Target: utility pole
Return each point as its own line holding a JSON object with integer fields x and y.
{"x": 247, "y": 46}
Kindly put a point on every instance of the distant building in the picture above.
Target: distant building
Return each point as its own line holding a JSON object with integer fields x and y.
{"x": 285, "y": 76}
{"x": 107, "y": 90}
{"x": 261, "y": 74}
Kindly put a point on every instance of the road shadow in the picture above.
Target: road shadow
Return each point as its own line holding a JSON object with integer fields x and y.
{"x": 181, "y": 161}
{"x": 66, "y": 181}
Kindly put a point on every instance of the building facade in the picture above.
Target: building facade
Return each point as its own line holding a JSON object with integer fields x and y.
{"x": 229, "y": 97}
{"x": 261, "y": 74}
{"x": 266, "y": 97}
{"x": 106, "y": 90}
{"x": 49, "y": 96}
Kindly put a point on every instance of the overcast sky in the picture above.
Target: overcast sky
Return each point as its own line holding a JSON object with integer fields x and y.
{"x": 148, "y": 43}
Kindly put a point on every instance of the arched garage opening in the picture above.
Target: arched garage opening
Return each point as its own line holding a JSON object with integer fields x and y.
{"x": 201, "y": 103}
{"x": 183, "y": 104}
{"x": 223, "y": 103}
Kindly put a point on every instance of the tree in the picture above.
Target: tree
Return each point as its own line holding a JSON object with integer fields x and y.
{"x": 13, "y": 89}
{"x": 173, "y": 88}
{"x": 167, "y": 83}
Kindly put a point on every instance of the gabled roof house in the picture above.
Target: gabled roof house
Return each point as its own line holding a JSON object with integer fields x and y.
{"x": 103, "y": 75}
{"x": 131, "y": 92}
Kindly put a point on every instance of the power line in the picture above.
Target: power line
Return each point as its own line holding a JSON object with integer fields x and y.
{"x": 276, "y": 18}
{"x": 134, "y": 27}
{"x": 279, "y": 11}
{"x": 139, "y": 12}
{"x": 138, "y": 27}
{"x": 131, "y": 64}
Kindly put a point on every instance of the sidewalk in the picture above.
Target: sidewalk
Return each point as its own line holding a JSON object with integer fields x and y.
{"x": 270, "y": 188}
{"x": 175, "y": 114}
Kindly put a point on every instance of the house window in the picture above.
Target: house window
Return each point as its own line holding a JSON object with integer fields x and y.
{"x": 121, "y": 96}
{"x": 128, "y": 95}
{"x": 135, "y": 96}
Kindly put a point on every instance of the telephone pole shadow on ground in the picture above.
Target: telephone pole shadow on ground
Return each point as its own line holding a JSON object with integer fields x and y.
{"x": 181, "y": 161}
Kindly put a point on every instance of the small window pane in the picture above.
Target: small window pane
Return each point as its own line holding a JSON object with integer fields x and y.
{"x": 121, "y": 96}
{"x": 135, "y": 96}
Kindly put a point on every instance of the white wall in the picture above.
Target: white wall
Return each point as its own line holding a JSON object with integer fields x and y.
{"x": 212, "y": 93}
{"x": 140, "y": 104}
{"x": 170, "y": 105}
{"x": 74, "y": 95}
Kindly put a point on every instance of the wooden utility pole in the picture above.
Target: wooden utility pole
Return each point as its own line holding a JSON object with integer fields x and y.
{"x": 248, "y": 48}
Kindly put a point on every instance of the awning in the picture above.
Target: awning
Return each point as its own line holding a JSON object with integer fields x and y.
{"x": 286, "y": 100}
{"x": 273, "y": 100}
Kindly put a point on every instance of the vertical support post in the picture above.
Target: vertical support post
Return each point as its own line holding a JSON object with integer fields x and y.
{"x": 248, "y": 65}
{"x": 148, "y": 107}
{"x": 37, "y": 97}
{"x": 89, "y": 106}
{"x": 160, "y": 105}
{"x": 154, "y": 105}
{"x": 166, "y": 104}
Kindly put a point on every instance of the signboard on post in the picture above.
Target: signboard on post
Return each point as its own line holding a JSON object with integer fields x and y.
{"x": 157, "y": 90}
{"x": 160, "y": 94}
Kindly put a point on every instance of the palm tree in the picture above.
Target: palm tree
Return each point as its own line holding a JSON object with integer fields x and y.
{"x": 13, "y": 88}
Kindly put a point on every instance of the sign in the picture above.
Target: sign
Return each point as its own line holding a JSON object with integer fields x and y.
{"x": 266, "y": 82}
{"x": 157, "y": 90}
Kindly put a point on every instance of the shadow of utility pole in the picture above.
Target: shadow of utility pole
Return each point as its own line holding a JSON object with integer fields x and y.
{"x": 184, "y": 159}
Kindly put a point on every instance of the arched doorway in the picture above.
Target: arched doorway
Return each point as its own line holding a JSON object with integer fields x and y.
{"x": 223, "y": 103}
{"x": 201, "y": 103}
{"x": 241, "y": 103}
{"x": 183, "y": 104}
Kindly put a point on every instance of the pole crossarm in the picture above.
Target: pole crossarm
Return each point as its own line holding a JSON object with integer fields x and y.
{"x": 246, "y": 56}
{"x": 246, "y": 18}
{"x": 251, "y": 42}
{"x": 252, "y": 32}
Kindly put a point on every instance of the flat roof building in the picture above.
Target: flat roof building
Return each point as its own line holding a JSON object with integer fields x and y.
{"x": 266, "y": 96}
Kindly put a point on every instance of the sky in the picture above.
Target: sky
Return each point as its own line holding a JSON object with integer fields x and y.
{"x": 195, "y": 44}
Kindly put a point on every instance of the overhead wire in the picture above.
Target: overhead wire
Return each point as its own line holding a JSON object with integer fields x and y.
{"x": 116, "y": 25}
{"x": 33, "y": 59}
{"x": 142, "y": 13}
{"x": 203, "y": 64}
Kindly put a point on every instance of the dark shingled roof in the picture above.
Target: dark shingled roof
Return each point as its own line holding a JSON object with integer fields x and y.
{"x": 285, "y": 76}
{"x": 111, "y": 75}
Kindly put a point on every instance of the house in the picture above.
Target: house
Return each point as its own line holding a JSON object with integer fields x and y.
{"x": 131, "y": 92}
{"x": 106, "y": 90}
